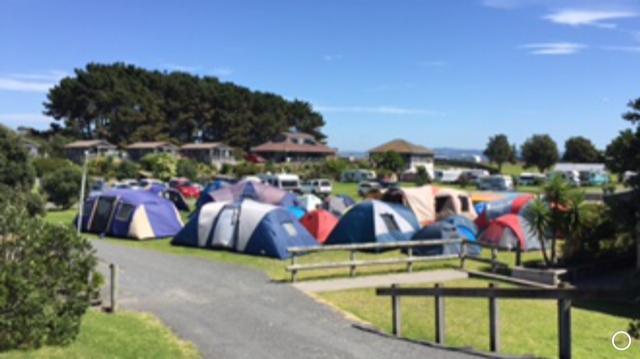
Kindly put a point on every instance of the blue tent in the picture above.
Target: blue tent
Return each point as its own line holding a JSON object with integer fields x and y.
{"x": 338, "y": 204}
{"x": 374, "y": 221}
{"x": 212, "y": 186}
{"x": 452, "y": 227}
{"x": 248, "y": 227}
{"x": 128, "y": 213}
{"x": 297, "y": 212}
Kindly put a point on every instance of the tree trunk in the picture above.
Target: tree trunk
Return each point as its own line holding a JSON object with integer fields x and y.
{"x": 553, "y": 246}
{"x": 543, "y": 248}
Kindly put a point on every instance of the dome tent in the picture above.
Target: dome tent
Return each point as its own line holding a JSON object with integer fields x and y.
{"x": 247, "y": 227}
{"x": 421, "y": 200}
{"x": 515, "y": 204}
{"x": 465, "y": 227}
{"x": 338, "y": 205}
{"x": 374, "y": 221}
{"x": 127, "y": 213}
{"x": 509, "y": 232}
{"x": 319, "y": 223}
{"x": 297, "y": 212}
{"x": 250, "y": 190}
{"x": 440, "y": 230}
{"x": 310, "y": 202}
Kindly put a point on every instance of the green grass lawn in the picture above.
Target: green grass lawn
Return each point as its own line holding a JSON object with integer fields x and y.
{"x": 528, "y": 327}
{"x": 122, "y": 335}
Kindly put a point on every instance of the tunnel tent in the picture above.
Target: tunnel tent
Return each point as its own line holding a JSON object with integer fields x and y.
{"x": 250, "y": 190}
{"x": 338, "y": 204}
{"x": 436, "y": 231}
{"x": 127, "y": 213}
{"x": 177, "y": 198}
{"x": 450, "y": 202}
{"x": 374, "y": 221}
{"x": 421, "y": 200}
{"x": 246, "y": 226}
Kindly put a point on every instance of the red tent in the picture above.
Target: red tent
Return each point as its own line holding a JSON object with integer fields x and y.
{"x": 509, "y": 231}
{"x": 319, "y": 223}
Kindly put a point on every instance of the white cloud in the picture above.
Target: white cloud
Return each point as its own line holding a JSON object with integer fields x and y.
{"x": 330, "y": 57}
{"x": 10, "y": 84}
{"x": 588, "y": 17}
{"x": 382, "y": 110}
{"x": 53, "y": 75}
{"x": 554, "y": 48}
{"x": 15, "y": 120}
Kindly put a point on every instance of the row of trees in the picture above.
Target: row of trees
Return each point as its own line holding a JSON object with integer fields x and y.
{"x": 124, "y": 103}
{"x": 541, "y": 151}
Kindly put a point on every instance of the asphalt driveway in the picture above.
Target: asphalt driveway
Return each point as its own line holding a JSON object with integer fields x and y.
{"x": 231, "y": 311}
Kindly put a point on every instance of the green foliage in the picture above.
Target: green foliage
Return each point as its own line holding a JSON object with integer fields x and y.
{"x": 33, "y": 202}
{"x": 102, "y": 166}
{"x": 62, "y": 186}
{"x": 187, "y": 168}
{"x": 619, "y": 154}
{"x": 499, "y": 150}
{"x": 423, "y": 177}
{"x": 47, "y": 278}
{"x": 47, "y": 165}
{"x": 581, "y": 150}
{"x": 540, "y": 151}
{"x": 163, "y": 166}
{"x": 126, "y": 169}
{"x": 245, "y": 169}
{"x": 389, "y": 161}
{"x": 333, "y": 168}
{"x": 634, "y": 329}
{"x": 538, "y": 216}
{"x": 124, "y": 103}
{"x": 15, "y": 169}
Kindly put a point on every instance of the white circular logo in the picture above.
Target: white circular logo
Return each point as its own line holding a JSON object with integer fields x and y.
{"x": 624, "y": 334}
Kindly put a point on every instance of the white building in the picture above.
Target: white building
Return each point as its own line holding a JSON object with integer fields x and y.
{"x": 414, "y": 156}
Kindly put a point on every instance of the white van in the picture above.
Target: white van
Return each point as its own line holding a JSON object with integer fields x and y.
{"x": 317, "y": 186}
{"x": 284, "y": 181}
{"x": 495, "y": 183}
{"x": 358, "y": 175}
{"x": 448, "y": 175}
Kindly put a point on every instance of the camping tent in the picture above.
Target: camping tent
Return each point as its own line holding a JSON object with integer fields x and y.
{"x": 440, "y": 230}
{"x": 248, "y": 227}
{"x": 421, "y": 200}
{"x": 515, "y": 204}
{"x": 310, "y": 202}
{"x": 374, "y": 221}
{"x": 297, "y": 212}
{"x": 451, "y": 202}
{"x": 338, "y": 205}
{"x": 127, "y": 213}
{"x": 467, "y": 230}
{"x": 177, "y": 198}
{"x": 250, "y": 190}
{"x": 508, "y": 232}
{"x": 319, "y": 223}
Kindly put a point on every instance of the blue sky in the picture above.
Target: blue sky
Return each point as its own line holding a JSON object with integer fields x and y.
{"x": 439, "y": 73}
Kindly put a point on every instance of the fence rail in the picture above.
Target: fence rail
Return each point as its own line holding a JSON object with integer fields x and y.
{"x": 352, "y": 263}
{"x": 563, "y": 295}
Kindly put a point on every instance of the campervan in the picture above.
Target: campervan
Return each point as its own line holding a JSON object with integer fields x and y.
{"x": 594, "y": 178}
{"x": 473, "y": 175}
{"x": 572, "y": 177}
{"x": 358, "y": 175}
{"x": 318, "y": 186}
{"x": 448, "y": 175}
{"x": 284, "y": 181}
{"x": 530, "y": 179}
{"x": 495, "y": 183}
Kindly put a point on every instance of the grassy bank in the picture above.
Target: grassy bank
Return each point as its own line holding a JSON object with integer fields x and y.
{"x": 527, "y": 327}
{"x": 123, "y": 335}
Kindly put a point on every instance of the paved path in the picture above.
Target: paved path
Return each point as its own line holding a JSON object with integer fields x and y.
{"x": 385, "y": 280}
{"x": 235, "y": 312}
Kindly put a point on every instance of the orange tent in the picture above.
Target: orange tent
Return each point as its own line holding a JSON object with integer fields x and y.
{"x": 319, "y": 223}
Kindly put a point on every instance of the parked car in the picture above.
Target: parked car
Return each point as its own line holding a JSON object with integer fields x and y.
{"x": 447, "y": 176}
{"x": 188, "y": 189}
{"x": 472, "y": 176}
{"x": 284, "y": 181}
{"x": 495, "y": 183}
{"x": 318, "y": 186}
{"x": 530, "y": 179}
{"x": 367, "y": 186}
{"x": 358, "y": 175}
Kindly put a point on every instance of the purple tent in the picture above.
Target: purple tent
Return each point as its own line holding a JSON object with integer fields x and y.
{"x": 250, "y": 190}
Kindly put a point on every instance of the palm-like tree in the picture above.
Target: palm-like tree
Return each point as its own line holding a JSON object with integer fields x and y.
{"x": 573, "y": 224}
{"x": 556, "y": 193}
{"x": 538, "y": 216}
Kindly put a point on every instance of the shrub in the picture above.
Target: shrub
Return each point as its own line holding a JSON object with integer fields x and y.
{"x": 16, "y": 170}
{"x": 127, "y": 169}
{"x": 162, "y": 165}
{"x": 634, "y": 329}
{"x": 423, "y": 177}
{"x": 103, "y": 166}
{"x": 245, "y": 169}
{"x": 62, "y": 186}
{"x": 47, "y": 278}
{"x": 46, "y": 165}
{"x": 32, "y": 202}
{"x": 187, "y": 168}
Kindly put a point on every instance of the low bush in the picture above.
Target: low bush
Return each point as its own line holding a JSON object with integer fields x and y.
{"x": 32, "y": 202}
{"x": 126, "y": 169}
{"x": 163, "y": 166}
{"x": 187, "y": 168}
{"x": 62, "y": 186}
{"x": 47, "y": 277}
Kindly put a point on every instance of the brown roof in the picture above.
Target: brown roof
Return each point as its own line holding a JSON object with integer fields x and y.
{"x": 288, "y": 147}
{"x": 89, "y": 144}
{"x": 203, "y": 146}
{"x": 149, "y": 145}
{"x": 402, "y": 147}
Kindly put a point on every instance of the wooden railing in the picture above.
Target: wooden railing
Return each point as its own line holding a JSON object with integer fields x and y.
{"x": 563, "y": 295}
{"x": 352, "y": 263}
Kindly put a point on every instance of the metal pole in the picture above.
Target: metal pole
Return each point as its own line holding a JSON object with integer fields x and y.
{"x": 83, "y": 184}
{"x": 113, "y": 269}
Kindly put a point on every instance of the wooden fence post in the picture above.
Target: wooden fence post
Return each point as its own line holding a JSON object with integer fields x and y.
{"x": 439, "y": 301}
{"x": 494, "y": 326}
{"x": 410, "y": 263}
{"x": 113, "y": 269}
{"x": 494, "y": 259}
{"x": 352, "y": 268}
{"x": 564, "y": 327}
{"x": 396, "y": 314}
{"x": 518, "y": 255}
{"x": 463, "y": 253}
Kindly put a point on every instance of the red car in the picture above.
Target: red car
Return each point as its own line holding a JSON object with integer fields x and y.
{"x": 186, "y": 188}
